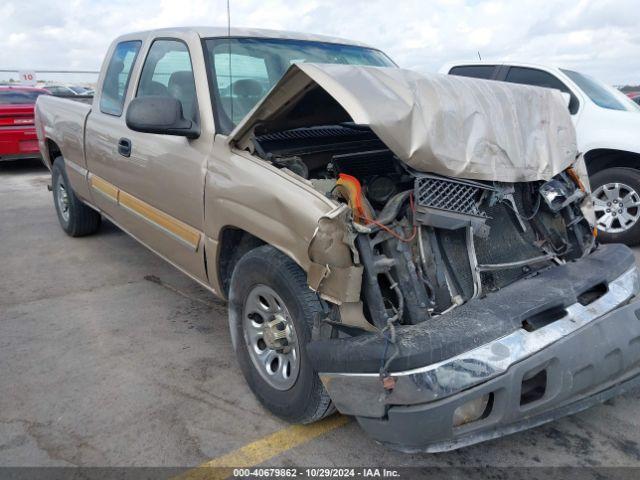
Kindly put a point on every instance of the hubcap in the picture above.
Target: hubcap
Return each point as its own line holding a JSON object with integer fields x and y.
{"x": 270, "y": 336}
{"x": 617, "y": 207}
{"x": 62, "y": 199}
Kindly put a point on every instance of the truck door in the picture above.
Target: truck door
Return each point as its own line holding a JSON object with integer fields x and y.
{"x": 159, "y": 179}
{"x": 105, "y": 125}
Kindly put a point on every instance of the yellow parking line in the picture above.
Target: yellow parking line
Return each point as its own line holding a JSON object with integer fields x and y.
{"x": 263, "y": 449}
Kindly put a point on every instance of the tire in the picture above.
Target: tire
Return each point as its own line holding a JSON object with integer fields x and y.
{"x": 268, "y": 271}
{"x": 625, "y": 226}
{"x": 75, "y": 218}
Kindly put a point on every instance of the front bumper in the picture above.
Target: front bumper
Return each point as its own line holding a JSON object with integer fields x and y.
{"x": 585, "y": 357}
{"x": 585, "y": 368}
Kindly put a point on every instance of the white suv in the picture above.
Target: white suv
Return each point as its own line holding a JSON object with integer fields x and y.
{"x": 608, "y": 130}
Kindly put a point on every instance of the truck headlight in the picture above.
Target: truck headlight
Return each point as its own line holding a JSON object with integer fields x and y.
{"x": 555, "y": 194}
{"x": 472, "y": 410}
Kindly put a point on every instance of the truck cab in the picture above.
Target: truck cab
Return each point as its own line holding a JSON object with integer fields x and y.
{"x": 152, "y": 182}
{"x": 606, "y": 123}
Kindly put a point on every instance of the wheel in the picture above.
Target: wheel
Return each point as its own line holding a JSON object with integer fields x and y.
{"x": 76, "y": 219}
{"x": 271, "y": 314}
{"x": 616, "y": 201}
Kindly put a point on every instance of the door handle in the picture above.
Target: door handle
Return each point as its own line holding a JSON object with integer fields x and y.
{"x": 124, "y": 147}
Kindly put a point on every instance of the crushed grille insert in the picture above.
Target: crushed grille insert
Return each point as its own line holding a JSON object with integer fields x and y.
{"x": 451, "y": 195}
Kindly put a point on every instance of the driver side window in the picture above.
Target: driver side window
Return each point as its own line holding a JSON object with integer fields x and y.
{"x": 167, "y": 72}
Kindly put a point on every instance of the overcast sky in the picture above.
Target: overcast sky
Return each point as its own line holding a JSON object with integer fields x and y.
{"x": 599, "y": 37}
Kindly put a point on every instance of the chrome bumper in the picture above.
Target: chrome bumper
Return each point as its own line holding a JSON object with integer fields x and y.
{"x": 363, "y": 394}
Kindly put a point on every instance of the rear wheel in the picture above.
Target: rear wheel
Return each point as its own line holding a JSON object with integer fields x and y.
{"x": 272, "y": 311}
{"x": 75, "y": 218}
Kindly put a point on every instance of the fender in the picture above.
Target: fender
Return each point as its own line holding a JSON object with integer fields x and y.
{"x": 610, "y": 133}
{"x": 274, "y": 216}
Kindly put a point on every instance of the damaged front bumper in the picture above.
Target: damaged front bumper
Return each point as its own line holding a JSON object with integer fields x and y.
{"x": 587, "y": 350}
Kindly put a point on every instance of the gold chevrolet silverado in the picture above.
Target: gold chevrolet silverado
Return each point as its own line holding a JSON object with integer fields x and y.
{"x": 413, "y": 250}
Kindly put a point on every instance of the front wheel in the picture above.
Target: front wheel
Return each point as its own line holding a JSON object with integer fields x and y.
{"x": 272, "y": 311}
{"x": 75, "y": 218}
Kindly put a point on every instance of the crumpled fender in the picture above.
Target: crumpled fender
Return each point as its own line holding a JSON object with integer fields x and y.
{"x": 334, "y": 272}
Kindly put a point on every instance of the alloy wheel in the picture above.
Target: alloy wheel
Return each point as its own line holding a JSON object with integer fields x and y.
{"x": 270, "y": 336}
{"x": 617, "y": 207}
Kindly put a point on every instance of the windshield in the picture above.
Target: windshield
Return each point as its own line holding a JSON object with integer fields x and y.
{"x": 245, "y": 69}
{"x": 600, "y": 93}
{"x": 18, "y": 97}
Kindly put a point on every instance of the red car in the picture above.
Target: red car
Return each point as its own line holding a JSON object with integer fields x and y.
{"x": 17, "y": 131}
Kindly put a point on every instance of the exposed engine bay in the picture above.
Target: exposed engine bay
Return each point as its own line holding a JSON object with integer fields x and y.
{"x": 429, "y": 243}
{"x": 454, "y": 255}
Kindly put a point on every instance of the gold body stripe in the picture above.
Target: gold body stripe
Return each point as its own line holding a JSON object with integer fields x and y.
{"x": 177, "y": 229}
{"x": 104, "y": 187}
{"x": 174, "y": 226}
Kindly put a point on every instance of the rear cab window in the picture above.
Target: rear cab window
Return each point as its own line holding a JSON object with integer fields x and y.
{"x": 539, "y": 78}
{"x": 474, "y": 71}
{"x": 116, "y": 80}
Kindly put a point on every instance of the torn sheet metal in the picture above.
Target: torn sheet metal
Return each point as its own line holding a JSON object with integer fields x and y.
{"x": 336, "y": 284}
{"x": 449, "y": 125}
{"x": 587, "y": 203}
{"x": 352, "y": 314}
{"x": 333, "y": 272}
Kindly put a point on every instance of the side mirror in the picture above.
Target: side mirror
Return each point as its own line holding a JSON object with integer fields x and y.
{"x": 159, "y": 114}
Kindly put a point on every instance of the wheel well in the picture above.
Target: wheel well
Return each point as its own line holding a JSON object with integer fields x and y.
{"x": 54, "y": 151}
{"x": 234, "y": 243}
{"x": 601, "y": 159}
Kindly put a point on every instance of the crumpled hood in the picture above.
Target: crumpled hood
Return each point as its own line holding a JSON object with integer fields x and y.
{"x": 448, "y": 125}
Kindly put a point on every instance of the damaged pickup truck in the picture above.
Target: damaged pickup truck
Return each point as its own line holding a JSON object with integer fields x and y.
{"x": 413, "y": 250}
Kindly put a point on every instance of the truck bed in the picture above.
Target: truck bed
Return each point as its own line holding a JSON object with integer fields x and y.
{"x": 62, "y": 120}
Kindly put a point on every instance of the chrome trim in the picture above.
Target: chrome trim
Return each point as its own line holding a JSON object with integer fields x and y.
{"x": 105, "y": 195}
{"x": 74, "y": 166}
{"x": 364, "y": 395}
{"x": 473, "y": 263}
{"x": 489, "y": 267}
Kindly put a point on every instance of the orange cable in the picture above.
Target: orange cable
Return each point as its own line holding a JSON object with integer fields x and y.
{"x": 391, "y": 232}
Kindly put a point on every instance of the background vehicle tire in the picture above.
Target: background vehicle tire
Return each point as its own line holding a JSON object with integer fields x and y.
{"x": 616, "y": 197}
{"x": 76, "y": 219}
{"x": 271, "y": 305}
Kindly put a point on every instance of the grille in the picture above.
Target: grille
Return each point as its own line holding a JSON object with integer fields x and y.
{"x": 450, "y": 195}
